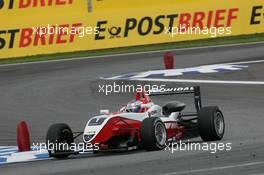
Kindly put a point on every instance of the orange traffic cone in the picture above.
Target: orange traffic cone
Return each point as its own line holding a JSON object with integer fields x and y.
{"x": 168, "y": 60}
{"x": 23, "y": 137}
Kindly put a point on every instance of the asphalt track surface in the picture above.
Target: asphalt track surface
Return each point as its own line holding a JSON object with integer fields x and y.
{"x": 67, "y": 92}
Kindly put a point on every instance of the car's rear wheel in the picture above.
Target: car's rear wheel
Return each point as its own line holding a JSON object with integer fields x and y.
{"x": 211, "y": 123}
{"x": 153, "y": 134}
{"x": 59, "y": 139}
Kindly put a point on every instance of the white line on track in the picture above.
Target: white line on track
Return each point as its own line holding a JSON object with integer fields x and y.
{"x": 8, "y": 152}
{"x": 7, "y": 147}
{"x": 247, "y": 62}
{"x": 207, "y": 81}
{"x": 135, "y": 53}
{"x": 215, "y": 168}
{"x": 200, "y": 81}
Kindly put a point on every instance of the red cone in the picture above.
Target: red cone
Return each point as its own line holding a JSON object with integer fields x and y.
{"x": 168, "y": 60}
{"x": 23, "y": 138}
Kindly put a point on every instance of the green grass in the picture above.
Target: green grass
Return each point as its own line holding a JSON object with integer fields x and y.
{"x": 153, "y": 47}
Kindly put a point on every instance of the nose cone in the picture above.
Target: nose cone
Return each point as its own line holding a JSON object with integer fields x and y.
{"x": 93, "y": 127}
{"x": 88, "y": 137}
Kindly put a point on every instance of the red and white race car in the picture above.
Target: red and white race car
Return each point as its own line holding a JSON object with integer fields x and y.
{"x": 143, "y": 124}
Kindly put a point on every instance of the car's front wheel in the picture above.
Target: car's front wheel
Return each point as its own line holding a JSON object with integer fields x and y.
{"x": 58, "y": 140}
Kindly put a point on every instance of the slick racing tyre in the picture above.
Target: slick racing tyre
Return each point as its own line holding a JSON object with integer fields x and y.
{"x": 58, "y": 140}
{"x": 211, "y": 123}
{"x": 153, "y": 134}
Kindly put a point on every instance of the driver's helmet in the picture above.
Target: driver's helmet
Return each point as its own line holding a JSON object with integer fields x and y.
{"x": 134, "y": 106}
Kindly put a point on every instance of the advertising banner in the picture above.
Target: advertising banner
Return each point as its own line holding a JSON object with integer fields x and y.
{"x": 33, "y": 27}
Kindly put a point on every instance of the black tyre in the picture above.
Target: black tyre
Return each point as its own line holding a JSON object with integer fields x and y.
{"x": 211, "y": 123}
{"x": 153, "y": 134}
{"x": 59, "y": 139}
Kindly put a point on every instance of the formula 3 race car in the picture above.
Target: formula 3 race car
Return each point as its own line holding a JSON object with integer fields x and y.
{"x": 142, "y": 124}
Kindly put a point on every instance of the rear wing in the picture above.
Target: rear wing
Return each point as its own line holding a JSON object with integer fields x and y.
{"x": 195, "y": 90}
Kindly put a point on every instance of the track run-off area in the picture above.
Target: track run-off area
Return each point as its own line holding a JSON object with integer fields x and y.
{"x": 231, "y": 77}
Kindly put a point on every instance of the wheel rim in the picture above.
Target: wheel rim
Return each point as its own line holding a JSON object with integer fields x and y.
{"x": 64, "y": 138}
{"x": 160, "y": 133}
{"x": 65, "y": 135}
{"x": 219, "y": 123}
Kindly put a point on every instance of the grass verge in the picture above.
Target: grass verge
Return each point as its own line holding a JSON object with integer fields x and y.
{"x": 153, "y": 47}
